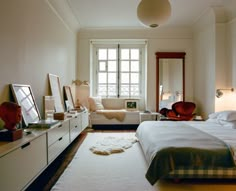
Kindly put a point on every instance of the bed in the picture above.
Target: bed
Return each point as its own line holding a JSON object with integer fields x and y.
{"x": 190, "y": 149}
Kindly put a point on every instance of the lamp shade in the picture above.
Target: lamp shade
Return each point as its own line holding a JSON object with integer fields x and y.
{"x": 153, "y": 13}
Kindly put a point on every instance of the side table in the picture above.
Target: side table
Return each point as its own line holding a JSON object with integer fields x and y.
{"x": 148, "y": 116}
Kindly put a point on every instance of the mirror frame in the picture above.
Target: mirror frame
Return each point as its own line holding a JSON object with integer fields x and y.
{"x": 28, "y": 98}
{"x": 169, "y": 55}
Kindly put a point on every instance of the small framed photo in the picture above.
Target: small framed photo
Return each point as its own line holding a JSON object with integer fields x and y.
{"x": 131, "y": 105}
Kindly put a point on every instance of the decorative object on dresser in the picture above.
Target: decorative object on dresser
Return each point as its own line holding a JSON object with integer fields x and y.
{"x": 10, "y": 113}
{"x": 56, "y": 91}
{"x": 24, "y": 96}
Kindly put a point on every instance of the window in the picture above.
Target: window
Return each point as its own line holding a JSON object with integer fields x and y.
{"x": 118, "y": 69}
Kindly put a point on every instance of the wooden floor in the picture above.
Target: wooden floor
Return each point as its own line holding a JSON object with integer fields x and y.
{"x": 49, "y": 177}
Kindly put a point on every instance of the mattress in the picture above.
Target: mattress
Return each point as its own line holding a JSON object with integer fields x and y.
{"x": 131, "y": 117}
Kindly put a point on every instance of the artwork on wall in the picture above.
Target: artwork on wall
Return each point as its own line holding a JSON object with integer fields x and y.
{"x": 56, "y": 90}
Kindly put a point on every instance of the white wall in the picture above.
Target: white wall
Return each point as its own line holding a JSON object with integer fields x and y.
{"x": 33, "y": 43}
{"x": 160, "y": 39}
{"x": 211, "y": 64}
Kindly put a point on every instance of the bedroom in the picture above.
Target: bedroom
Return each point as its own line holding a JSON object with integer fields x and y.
{"x": 35, "y": 41}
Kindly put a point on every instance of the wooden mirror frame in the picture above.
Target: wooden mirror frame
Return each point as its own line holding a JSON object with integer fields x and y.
{"x": 169, "y": 55}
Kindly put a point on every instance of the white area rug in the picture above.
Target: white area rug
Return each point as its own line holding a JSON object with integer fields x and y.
{"x": 118, "y": 172}
{"x": 113, "y": 144}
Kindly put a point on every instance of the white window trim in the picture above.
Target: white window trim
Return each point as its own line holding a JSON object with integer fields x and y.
{"x": 94, "y": 43}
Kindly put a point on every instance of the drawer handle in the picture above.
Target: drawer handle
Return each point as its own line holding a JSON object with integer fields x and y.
{"x": 59, "y": 126}
{"x": 60, "y": 139}
{"x": 25, "y": 145}
{"x": 76, "y": 126}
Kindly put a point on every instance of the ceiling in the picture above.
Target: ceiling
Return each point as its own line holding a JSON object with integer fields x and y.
{"x": 109, "y": 14}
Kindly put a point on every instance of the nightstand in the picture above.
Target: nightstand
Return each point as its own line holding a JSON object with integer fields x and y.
{"x": 151, "y": 116}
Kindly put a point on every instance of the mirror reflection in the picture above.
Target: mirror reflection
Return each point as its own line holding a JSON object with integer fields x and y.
{"x": 169, "y": 79}
{"x": 170, "y": 82}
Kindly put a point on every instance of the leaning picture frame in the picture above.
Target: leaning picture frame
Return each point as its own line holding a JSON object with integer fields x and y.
{"x": 131, "y": 104}
{"x": 54, "y": 82}
{"x": 70, "y": 105}
{"x": 23, "y": 96}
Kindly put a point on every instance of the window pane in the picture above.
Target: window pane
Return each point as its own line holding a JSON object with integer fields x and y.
{"x": 111, "y": 54}
{"x": 134, "y": 90}
{"x": 112, "y": 90}
{"x": 135, "y": 66}
{"x": 102, "y": 54}
{"x": 124, "y": 78}
{"x": 134, "y": 78}
{"x": 124, "y": 54}
{"x": 124, "y": 90}
{"x": 112, "y": 78}
{"x": 112, "y": 66}
{"x": 102, "y": 66}
{"x": 134, "y": 54}
{"x": 102, "y": 90}
{"x": 102, "y": 78}
{"x": 124, "y": 66}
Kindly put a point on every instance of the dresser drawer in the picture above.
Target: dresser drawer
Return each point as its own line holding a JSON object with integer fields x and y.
{"x": 21, "y": 165}
{"x": 57, "y": 132}
{"x": 75, "y": 127}
{"x": 85, "y": 120}
{"x": 57, "y": 147}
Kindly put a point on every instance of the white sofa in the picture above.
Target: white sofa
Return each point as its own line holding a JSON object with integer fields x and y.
{"x": 99, "y": 120}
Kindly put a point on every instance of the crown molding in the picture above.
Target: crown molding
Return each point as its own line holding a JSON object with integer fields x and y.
{"x": 64, "y": 12}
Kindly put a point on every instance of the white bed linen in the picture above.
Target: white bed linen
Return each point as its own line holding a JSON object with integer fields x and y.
{"x": 227, "y": 134}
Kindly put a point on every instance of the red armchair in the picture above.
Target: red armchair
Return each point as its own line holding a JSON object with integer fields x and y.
{"x": 181, "y": 111}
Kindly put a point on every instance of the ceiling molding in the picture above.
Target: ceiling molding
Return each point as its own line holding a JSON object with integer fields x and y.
{"x": 63, "y": 10}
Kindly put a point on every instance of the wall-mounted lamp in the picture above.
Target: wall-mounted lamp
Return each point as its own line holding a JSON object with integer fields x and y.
{"x": 79, "y": 82}
{"x": 219, "y": 92}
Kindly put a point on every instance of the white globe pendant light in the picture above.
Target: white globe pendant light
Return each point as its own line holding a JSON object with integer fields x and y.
{"x": 153, "y": 13}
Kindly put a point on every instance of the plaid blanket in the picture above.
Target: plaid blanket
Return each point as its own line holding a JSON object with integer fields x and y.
{"x": 168, "y": 145}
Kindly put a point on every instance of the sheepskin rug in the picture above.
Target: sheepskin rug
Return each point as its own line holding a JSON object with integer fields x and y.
{"x": 112, "y": 144}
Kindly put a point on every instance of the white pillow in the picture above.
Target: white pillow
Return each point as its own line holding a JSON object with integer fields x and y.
{"x": 229, "y": 115}
{"x": 95, "y": 103}
{"x": 231, "y": 124}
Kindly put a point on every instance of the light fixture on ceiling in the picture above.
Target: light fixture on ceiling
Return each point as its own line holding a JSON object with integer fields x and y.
{"x": 219, "y": 92}
{"x": 153, "y": 13}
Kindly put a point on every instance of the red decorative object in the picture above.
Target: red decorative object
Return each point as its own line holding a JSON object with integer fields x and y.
{"x": 181, "y": 111}
{"x": 10, "y": 113}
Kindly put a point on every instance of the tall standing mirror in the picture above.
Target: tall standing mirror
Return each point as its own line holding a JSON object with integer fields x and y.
{"x": 170, "y": 78}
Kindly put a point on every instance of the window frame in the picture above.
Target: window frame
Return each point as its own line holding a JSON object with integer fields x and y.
{"x": 96, "y": 44}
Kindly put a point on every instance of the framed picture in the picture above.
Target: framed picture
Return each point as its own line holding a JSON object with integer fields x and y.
{"x": 131, "y": 104}
{"x": 56, "y": 90}
{"x": 23, "y": 96}
{"x": 69, "y": 98}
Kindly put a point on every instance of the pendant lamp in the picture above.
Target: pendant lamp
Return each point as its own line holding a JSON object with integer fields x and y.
{"x": 153, "y": 13}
